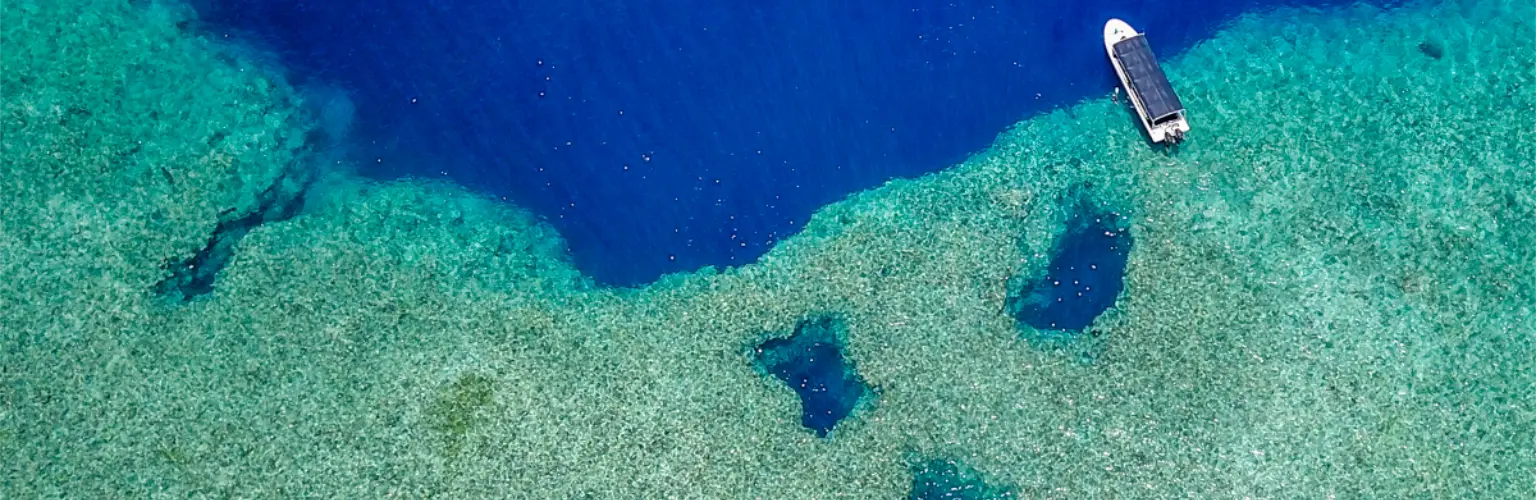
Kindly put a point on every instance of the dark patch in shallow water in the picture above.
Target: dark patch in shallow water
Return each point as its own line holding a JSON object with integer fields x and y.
{"x": 1431, "y": 49}
{"x": 811, "y": 362}
{"x": 947, "y": 479}
{"x": 458, "y": 410}
{"x": 193, "y": 277}
{"x": 1085, "y": 275}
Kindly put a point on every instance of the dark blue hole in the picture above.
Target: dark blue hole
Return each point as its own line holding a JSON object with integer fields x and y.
{"x": 1086, "y": 274}
{"x": 946, "y": 479}
{"x": 811, "y": 362}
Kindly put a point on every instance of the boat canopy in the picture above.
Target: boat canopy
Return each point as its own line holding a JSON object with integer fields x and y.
{"x": 1147, "y": 79}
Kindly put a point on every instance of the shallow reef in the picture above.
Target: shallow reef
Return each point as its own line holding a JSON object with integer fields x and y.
{"x": 1330, "y": 294}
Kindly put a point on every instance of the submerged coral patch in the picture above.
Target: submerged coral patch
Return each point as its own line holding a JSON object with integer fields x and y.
{"x": 457, "y": 410}
{"x": 811, "y": 362}
{"x": 1431, "y": 49}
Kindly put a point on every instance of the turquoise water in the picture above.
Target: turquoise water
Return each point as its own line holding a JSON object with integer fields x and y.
{"x": 1330, "y": 291}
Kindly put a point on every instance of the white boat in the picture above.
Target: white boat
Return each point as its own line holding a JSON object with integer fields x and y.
{"x": 1161, "y": 112}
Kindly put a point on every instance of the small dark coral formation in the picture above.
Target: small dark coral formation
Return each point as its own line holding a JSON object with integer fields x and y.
{"x": 948, "y": 479}
{"x": 1431, "y": 49}
{"x": 193, "y": 277}
{"x": 1084, "y": 277}
{"x": 811, "y": 362}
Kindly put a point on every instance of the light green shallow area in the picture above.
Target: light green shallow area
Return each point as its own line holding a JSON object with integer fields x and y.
{"x": 1332, "y": 293}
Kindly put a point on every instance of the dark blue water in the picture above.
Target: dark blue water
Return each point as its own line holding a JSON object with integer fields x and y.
{"x": 811, "y": 363}
{"x": 941, "y": 479}
{"x": 665, "y": 136}
{"x": 1084, "y": 278}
